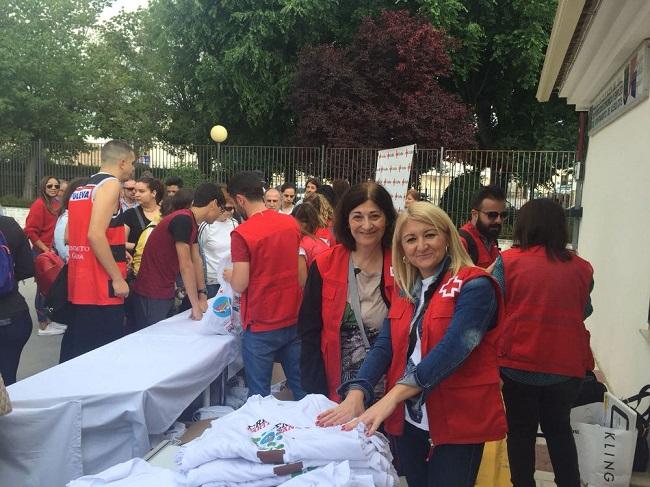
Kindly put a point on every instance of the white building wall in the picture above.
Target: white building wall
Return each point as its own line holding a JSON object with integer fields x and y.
{"x": 615, "y": 238}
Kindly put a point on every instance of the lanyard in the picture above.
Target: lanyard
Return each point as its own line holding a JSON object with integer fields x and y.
{"x": 355, "y": 304}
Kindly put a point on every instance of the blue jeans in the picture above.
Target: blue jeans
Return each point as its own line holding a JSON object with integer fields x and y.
{"x": 39, "y": 299}
{"x": 442, "y": 466}
{"x": 259, "y": 351}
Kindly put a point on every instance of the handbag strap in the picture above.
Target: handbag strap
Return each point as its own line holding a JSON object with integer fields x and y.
{"x": 427, "y": 298}
{"x": 140, "y": 217}
{"x": 643, "y": 393}
{"x": 355, "y": 304}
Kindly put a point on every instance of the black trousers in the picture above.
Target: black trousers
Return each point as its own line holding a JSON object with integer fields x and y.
{"x": 13, "y": 337}
{"x": 528, "y": 406}
{"x": 442, "y": 466}
{"x": 91, "y": 327}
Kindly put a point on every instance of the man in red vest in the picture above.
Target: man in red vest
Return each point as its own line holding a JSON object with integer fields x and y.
{"x": 479, "y": 235}
{"x": 265, "y": 271}
{"x": 97, "y": 264}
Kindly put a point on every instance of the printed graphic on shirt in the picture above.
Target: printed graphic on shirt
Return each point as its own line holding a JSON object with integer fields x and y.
{"x": 353, "y": 349}
{"x": 451, "y": 287}
{"x": 222, "y": 306}
{"x": 271, "y": 438}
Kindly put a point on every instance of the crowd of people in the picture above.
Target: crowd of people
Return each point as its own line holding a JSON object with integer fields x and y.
{"x": 429, "y": 332}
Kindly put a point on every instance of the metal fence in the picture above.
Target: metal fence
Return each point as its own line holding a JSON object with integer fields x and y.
{"x": 446, "y": 177}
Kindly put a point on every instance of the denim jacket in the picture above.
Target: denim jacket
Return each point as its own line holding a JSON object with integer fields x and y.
{"x": 474, "y": 315}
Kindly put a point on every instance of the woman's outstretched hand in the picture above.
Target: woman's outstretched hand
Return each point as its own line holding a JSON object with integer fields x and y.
{"x": 351, "y": 407}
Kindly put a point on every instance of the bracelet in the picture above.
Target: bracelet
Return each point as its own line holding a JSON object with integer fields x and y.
{"x": 202, "y": 291}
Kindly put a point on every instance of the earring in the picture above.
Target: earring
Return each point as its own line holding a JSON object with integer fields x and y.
{"x": 404, "y": 259}
{"x": 447, "y": 249}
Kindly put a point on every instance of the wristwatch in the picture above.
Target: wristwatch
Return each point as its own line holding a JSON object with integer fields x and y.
{"x": 202, "y": 291}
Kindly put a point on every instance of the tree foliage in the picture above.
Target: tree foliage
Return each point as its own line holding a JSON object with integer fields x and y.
{"x": 45, "y": 79}
{"x": 381, "y": 91}
{"x": 498, "y": 56}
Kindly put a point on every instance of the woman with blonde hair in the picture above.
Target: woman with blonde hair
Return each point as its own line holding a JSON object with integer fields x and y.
{"x": 438, "y": 351}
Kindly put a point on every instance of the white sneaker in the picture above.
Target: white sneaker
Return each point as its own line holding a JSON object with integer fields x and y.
{"x": 50, "y": 330}
{"x": 58, "y": 326}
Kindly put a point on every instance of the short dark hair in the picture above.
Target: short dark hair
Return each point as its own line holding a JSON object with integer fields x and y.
{"x": 308, "y": 216}
{"x": 542, "y": 222}
{"x": 492, "y": 192}
{"x": 357, "y": 195}
{"x": 182, "y": 200}
{"x": 112, "y": 150}
{"x": 154, "y": 185}
{"x": 174, "y": 181}
{"x": 247, "y": 184}
{"x": 313, "y": 181}
{"x": 327, "y": 191}
{"x": 207, "y": 192}
{"x": 340, "y": 187}
{"x": 286, "y": 186}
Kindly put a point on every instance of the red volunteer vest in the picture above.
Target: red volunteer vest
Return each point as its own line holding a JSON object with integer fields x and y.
{"x": 485, "y": 256}
{"x": 333, "y": 268}
{"x": 88, "y": 282}
{"x": 273, "y": 296}
{"x": 545, "y": 300}
{"x": 466, "y": 407}
{"x": 327, "y": 234}
{"x": 312, "y": 246}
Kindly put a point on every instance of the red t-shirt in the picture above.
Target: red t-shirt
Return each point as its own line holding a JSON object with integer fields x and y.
{"x": 160, "y": 268}
{"x": 238, "y": 249}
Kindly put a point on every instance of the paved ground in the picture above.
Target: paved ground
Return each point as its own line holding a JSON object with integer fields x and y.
{"x": 40, "y": 352}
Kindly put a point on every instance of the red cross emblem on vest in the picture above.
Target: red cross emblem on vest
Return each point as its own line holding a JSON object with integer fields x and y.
{"x": 451, "y": 287}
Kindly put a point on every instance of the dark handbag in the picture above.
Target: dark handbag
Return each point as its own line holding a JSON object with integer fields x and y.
{"x": 590, "y": 391}
{"x": 58, "y": 307}
{"x": 642, "y": 452}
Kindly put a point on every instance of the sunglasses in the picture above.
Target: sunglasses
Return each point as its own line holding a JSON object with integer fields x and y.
{"x": 52, "y": 186}
{"x": 229, "y": 209}
{"x": 493, "y": 215}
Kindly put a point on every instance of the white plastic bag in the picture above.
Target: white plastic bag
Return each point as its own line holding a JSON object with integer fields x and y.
{"x": 605, "y": 436}
{"x": 222, "y": 317}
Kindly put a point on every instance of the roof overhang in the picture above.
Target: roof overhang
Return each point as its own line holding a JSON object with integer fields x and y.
{"x": 601, "y": 36}
{"x": 566, "y": 20}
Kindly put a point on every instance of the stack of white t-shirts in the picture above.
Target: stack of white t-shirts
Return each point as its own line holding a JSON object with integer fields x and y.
{"x": 267, "y": 442}
{"x": 134, "y": 473}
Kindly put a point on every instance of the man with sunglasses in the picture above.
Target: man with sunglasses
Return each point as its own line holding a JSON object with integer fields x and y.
{"x": 127, "y": 196}
{"x": 214, "y": 243}
{"x": 479, "y": 235}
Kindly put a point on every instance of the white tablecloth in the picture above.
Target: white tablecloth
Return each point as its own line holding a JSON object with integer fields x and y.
{"x": 129, "y": 389}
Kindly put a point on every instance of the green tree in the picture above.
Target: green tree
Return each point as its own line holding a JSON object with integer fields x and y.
{"x": 498, "y": 56}
{"x": 129, "y": 92}
{"x": 45, "y": 80}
